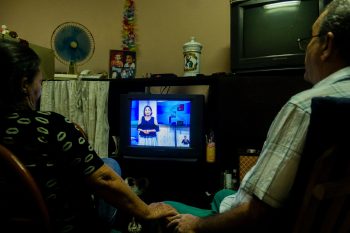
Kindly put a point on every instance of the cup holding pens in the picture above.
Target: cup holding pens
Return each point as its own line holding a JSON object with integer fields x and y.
{"x": 210, "y": 152}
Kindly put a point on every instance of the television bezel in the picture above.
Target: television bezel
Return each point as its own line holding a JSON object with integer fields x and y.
{"x": 239, "y": 63}
{"x": 193, "y": 153}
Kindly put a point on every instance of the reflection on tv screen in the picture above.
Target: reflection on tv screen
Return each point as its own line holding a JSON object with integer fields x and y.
{"x": 163, "y": 123}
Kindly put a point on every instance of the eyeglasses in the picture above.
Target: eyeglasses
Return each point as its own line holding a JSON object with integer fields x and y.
{"x": 303, "y": 42}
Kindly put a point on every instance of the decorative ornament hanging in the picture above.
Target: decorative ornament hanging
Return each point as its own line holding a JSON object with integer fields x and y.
{"x": 128, "y": 36}
{"x": 7, "y": 34}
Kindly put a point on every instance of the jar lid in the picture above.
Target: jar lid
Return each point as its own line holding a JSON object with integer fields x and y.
{"x": 192, "y": 44}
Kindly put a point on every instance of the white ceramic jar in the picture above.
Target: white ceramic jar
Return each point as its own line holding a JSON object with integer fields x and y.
{"x": 192, "y": 52}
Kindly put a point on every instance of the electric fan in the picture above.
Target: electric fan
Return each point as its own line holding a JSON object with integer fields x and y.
{"x": 73, "y": 45}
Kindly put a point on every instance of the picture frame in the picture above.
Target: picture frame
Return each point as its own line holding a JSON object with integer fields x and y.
{"x": 122, "y": 64}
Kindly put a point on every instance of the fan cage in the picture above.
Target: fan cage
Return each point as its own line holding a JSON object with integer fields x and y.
{"x": 72, "y": 25}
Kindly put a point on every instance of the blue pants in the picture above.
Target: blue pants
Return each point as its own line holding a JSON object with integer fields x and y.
{"x": 106, "y": 211}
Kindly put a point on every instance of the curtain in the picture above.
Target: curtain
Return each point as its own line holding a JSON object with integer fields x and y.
{"x": 83, "y": 102}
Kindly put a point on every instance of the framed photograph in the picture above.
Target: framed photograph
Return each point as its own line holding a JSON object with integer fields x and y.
{"x": 122, "y": 64}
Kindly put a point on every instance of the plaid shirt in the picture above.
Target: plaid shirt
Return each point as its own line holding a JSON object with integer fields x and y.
{"x": 273, "y": 175}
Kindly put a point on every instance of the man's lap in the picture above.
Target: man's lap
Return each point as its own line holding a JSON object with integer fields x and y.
{"x": 215, "y": 205}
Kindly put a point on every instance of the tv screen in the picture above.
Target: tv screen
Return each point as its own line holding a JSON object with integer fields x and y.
{"x": 156, "y": 126}
{"x": 264, "y": 34}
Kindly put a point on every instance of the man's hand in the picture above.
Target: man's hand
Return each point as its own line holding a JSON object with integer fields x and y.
{"x": 183, "y": 223}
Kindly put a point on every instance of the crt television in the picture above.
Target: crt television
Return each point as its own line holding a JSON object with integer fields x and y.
{"x": 264, "y": 33}
{"x": 179, "y": 135}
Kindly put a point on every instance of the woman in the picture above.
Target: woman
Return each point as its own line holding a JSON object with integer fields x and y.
{"x": 67, "y": 168}
{"x": 148, "y": 128}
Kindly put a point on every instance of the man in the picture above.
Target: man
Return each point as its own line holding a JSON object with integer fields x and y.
{"x": 265, "y": 188}
{"x": 185, "y": 140}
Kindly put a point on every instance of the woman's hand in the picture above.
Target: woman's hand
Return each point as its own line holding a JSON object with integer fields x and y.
{"x": 160, "y": 210}
{"x": 145, "y": 131}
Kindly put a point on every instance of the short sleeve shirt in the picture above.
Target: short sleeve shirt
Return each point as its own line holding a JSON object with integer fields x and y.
{"x": 272, "y": 177}
{"x": 60, "y": 159}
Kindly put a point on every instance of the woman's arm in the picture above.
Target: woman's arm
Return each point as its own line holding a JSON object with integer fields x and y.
{"x": 156, "y": 126}
{"x": 155, "y": 121}
{"x": 139, "y": 124}
{"x": 111, "y": 187}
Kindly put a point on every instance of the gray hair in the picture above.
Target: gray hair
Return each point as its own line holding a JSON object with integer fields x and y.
{"x": 337, "y": 21}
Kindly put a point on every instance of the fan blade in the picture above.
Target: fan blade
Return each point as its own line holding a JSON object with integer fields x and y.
{"x": 73, "y": 43}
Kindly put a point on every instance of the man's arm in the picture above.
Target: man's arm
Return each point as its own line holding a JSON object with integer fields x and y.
{"x": 253, "y": 214}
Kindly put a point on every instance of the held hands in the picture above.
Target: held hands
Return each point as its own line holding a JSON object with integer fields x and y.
{"x": 183, "y": 223}
{"x": 147, "y": 131}
{"x": 160, "y": 210}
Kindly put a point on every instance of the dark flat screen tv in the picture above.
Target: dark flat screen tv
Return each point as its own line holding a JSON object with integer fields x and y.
{"x": 161, "y": 127}
{"x": 264, "y": 36}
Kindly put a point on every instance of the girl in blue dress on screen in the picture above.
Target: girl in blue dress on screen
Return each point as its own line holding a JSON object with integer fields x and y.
{"x": 148, "y": 128}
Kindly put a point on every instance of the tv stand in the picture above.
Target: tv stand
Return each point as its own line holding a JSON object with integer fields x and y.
{"x": 169, "y": 180}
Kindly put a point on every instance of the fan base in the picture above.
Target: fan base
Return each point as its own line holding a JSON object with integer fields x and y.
{"x": 72, "y": 68}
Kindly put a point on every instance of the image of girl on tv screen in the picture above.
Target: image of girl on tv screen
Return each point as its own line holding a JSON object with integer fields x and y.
{"x": 148, "y": 128}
